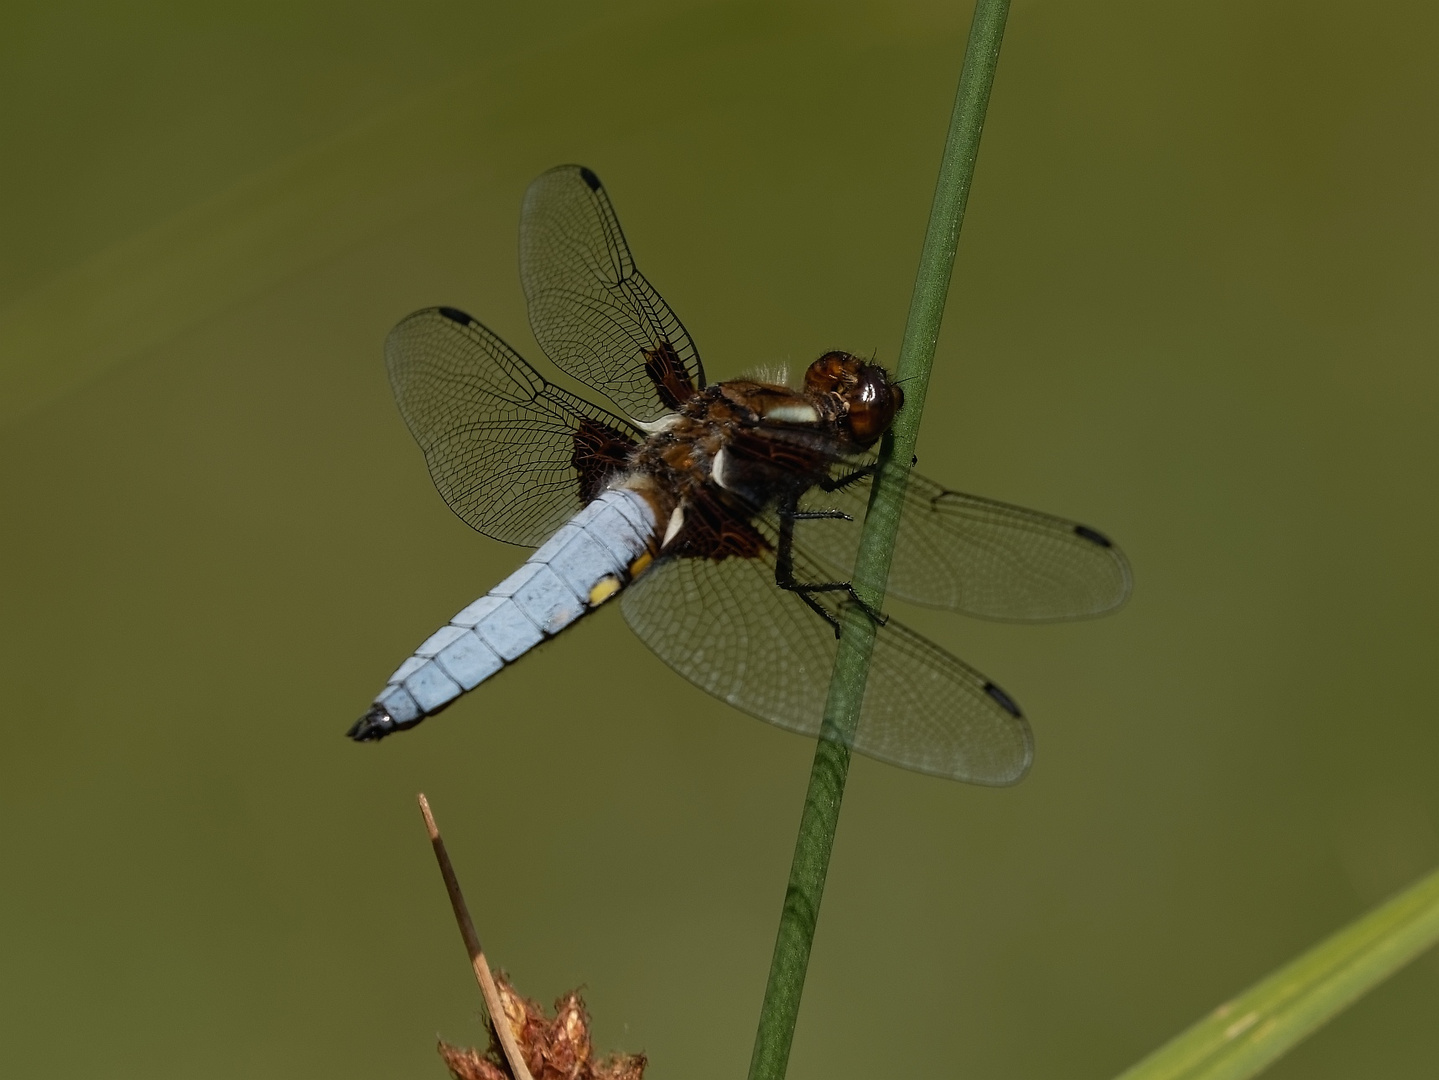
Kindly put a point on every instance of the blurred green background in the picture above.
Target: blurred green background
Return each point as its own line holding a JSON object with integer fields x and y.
{"x": 1194, "y": 306}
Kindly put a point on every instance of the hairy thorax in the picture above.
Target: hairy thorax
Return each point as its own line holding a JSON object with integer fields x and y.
{"x": 730, "y": 451}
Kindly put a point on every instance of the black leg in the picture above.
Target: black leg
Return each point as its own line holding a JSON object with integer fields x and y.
{"x": 835, "y": 483}
{"x": 784, "y": 567}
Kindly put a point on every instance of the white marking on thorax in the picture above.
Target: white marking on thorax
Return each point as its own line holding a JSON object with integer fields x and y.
{"x": 664, "y": 423}
{"x": 677, "y": 522}
{"x": 793, "y": 414}
{"x": 717, "y": 465}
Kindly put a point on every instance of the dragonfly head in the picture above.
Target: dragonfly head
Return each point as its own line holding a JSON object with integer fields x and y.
{"x": 867, "y": 398}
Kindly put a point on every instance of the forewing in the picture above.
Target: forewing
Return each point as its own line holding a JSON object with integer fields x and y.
{"x": 593, "y": 313}
{"x": 514, "y": 456}
{"x": 727, "y": 627}
{"x": 978, "y": 556}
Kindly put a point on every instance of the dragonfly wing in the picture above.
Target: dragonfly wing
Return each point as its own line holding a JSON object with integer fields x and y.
{"x": 726, "y": 627}
{"x": 513, "y": 456}
{"x": 591, "y": 310}
{"x": 979, "y": 556}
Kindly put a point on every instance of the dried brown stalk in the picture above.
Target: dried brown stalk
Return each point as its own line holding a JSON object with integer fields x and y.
{"x": 525, "y": 1044}
{"x": 493, "y": 1002}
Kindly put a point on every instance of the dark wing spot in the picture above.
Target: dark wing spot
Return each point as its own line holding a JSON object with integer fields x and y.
{"x": 667, "y": 372}
{"x": 599, "y": 452}
{"x": 795, "y": 452}
{"x": 1093, "y": 536}
{"x": 454, "y": 314}
{"x": 590, "y": 178}
{"x": 1005, "y": 701}
{"x": 715, "y": 530}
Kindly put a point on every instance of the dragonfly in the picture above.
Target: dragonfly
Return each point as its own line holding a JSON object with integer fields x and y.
{"x": 725, "y": 517}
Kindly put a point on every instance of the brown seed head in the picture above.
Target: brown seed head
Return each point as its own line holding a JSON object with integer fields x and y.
{"x": 553, "y": 1049}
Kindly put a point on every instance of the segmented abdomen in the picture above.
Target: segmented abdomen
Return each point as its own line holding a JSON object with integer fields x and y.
{"x": 587, "y": 561}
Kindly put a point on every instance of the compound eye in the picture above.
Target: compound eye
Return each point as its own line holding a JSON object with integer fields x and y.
{"x": 872, "y": 405}
{"x": 831, "y": 372}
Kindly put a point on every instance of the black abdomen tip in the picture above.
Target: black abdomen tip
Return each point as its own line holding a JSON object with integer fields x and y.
{"x": 375, "y": 724}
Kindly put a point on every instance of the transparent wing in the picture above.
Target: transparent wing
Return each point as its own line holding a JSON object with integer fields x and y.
{"x": 593, "y": 313}
{"x": 978, "y": 556}
{"x": 726, "y": 627}
{"x": 513, "y": 456}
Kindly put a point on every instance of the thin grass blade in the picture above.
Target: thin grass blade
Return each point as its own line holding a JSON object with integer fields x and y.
{"x": 1243, "y": 1036}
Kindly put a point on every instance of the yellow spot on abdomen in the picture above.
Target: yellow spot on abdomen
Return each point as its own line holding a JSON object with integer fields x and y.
{"x": 603, "y": 589}
{"x": 641, "y": 564}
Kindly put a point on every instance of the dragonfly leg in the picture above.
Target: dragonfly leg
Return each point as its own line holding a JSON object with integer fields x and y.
{"x": 784, "y": 567}
{"x": 813, "y": 606}
{"x": 836, "y": 483}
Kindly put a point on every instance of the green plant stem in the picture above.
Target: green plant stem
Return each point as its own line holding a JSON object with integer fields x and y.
{"x": 820, "y": 817}
{"x": 1243, "y": 1036}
